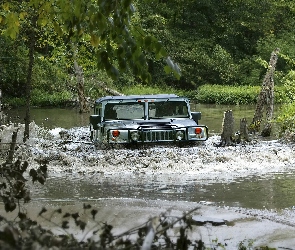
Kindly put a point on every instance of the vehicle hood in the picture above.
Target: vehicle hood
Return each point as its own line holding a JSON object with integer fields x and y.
{"x": 154, "y": 123}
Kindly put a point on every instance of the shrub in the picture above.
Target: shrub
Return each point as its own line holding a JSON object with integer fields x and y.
{"x": 233, "y": 95}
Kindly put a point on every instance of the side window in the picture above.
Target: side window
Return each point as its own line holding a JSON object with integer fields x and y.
{"x": 110, "y": 112}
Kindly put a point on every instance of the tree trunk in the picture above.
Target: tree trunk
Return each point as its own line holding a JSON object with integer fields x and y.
{"x": 227, "y": 129}
{"x": 244, "y": 134}
{"x": 84, "y": 106}
{"x": 265, "y": 98}
{"x": 1, "y": 114}
{"x": 32, "y": 41}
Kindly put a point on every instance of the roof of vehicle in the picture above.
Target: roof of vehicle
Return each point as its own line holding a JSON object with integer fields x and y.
{"x": 135, "y": 97}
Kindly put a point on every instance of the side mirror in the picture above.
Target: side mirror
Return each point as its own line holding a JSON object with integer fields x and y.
{"x": 196, "y": 116}
{"x": 94, "y": 120}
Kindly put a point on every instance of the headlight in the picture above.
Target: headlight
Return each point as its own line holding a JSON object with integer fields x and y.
{"x": 179, "y": 135}
{"x": 115, "y": 133}
{"x": 198, "y": 131}
{"x": 134, "y": 136}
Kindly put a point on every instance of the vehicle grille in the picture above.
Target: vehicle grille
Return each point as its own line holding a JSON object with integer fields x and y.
{"x": 158, "y": 135}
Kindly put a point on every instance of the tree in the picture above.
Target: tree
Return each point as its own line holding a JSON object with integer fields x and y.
{"x": 106, "y": 25}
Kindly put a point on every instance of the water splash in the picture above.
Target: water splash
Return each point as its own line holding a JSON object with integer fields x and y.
{"x": 205, "y": 162}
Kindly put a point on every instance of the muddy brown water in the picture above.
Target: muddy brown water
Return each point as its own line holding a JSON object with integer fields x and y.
{"x": 271, "y": 192}
{"x": 276, "y": 192}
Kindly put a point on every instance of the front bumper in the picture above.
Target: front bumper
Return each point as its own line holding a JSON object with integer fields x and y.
{"x": 157, "y": 135}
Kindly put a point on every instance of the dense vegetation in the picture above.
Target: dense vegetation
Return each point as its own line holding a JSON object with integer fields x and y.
{"x": 213, "y": 42}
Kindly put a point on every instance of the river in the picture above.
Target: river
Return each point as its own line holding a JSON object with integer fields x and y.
{"x": 212, "y": 116}
{"x": 250, "y": 185}
{"x": 247, "y": 192}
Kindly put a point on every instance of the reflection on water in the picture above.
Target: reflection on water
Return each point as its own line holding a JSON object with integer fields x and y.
{"x": 259, "y": 193}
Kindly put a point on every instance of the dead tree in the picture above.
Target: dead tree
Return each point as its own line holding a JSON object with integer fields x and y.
{"x": 265, "y": 99}
{"x": 244, "y": 134}
{"x": 109, "y": 90}
{"x": 227, "y": 129}
{"x": 84, "y": 106}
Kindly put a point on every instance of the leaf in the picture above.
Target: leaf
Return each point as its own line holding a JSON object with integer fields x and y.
{"x": 33, "y": 174}
{"x": 75, "y": 216}
{"x": 24, "y": 166}
{"x": 22, "y": 15}
{"x": 41, "y": 179}
{"x": 22, "y": 216}
{"x": 6, "y": 6}
{"x": 126, "y": 3}
{"x": 44, "y": 210}
{"x": 43, "y": 169}
{"x": 93, "y": 213}
{"x": 95, "y": 40}
{"x": 81, "y": 224}
{"x": 10, "y": 205}
{"x": 59, "y": 210}
{"x": 88, "y": 206}
{"x": 167, "y": 69}
{"x": 65, "y": 224}
{"x": 67, "y": 215}
{"x": 147, "y": 41}
{"x": 57, "y": 29}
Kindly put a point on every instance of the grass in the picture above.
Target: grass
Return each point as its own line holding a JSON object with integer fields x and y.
{"x": 233, "y": 95}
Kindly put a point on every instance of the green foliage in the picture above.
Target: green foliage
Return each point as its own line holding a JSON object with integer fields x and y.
{"x": 117, "y": 46}
{"x": 227, "y": 94}
{"x": 144, "y": 90}
{"x": 43, "y": 99}
{"x": 13, "y": 69}
{"x": 286, "y": 117}
{"x": 221, "y": 94}
{"x": 212, "y": 48}
{"x": 40, "y": 98}
{"x": 48, "y": 77}
{"x": 286, "y": 121}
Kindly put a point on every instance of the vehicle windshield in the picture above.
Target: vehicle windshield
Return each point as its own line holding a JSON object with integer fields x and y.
{"x": 124, "y": 111}
{"x": 168, "y": 109}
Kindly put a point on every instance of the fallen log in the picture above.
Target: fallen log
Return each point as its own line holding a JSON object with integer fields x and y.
{"x": 109, "y": 90}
